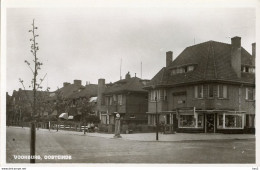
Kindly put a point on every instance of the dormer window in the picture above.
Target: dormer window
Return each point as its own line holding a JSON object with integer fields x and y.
{"x": 247, "y": 69}
{"x": 190, "y": 68}
{"x": 182, "y": 69}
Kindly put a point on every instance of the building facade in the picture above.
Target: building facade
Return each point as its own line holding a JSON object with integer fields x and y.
{"x": 209, "y": 87}
{"x": 126, "y": 97}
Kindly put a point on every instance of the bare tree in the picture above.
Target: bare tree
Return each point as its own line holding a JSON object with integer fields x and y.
{"x": 35, "y": 85}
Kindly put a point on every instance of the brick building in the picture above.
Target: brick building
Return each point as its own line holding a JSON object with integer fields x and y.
{"x": 71, "y": 99}
{"x": 19, "y": 106}
{"x": 209, "y": 87}
{"x": 126, "y": 97}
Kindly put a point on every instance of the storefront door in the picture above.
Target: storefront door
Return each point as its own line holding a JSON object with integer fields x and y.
{"x": 210, "y": 123}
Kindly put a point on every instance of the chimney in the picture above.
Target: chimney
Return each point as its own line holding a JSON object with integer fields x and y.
{"x": 87, "y": 83}
{"x": 77, "y": 82}
{"x": 168, "y": 58}
{"x": 127, "y": 76}
{"x": 236, "y": 42}
{"x": 65, "y": 84}
{"x": 253, "y": 53}
{"x": 101, "y": 89}
{"x": 236, "y": 55}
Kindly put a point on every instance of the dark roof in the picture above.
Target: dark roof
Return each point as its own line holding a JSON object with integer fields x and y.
{"x": 212, "y": 62}
{"x": 87, "y": 91}
{"x": 27, "y": 95}
{"x": 133, "y": 84}
{"x": 69, "y": 89}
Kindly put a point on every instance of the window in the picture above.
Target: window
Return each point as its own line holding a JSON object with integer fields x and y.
{"x": 230, "y": 121}
{"x": 190, "y": 68}
{"x": 210, "y": 91}
{"x": 251, "y": 70}
{"x": 233, "y": 121}
{"x": 187, "y": 121}
{"x": 222, "y": 91}
{"x": 120, "y": 99}
{"x": 198, "y": 91}
{"x": 183, "y": 69}
{"x": 114, "y": 98}
{"x": 164, "y": 95}
{"x": 110, "y": 100}
{"x": 191, "y": 121}
{"x": 173, "y": 72}
{"x": 155, "y": 94}
{"x": 248, "y": 69}
{"x": 250, "y": 93}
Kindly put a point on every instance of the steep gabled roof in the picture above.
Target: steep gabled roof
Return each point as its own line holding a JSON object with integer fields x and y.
{"x": 89, "y": 90}
{"x": 133, "y": 84}
{"x": 27, "y": 95}
{"x": 212, "y": 61}
{"x": 69, "y": 89}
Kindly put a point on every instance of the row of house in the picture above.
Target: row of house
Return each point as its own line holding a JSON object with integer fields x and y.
{"x": 209, "y": 87}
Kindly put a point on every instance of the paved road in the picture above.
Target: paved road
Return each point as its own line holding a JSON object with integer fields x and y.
{"x": 87, "y": 149}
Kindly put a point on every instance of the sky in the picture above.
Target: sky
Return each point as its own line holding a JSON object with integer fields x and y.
{"x": 88, "y": 43}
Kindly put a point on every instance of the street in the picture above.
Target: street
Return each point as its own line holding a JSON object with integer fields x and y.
{"x": 91, "y": 149}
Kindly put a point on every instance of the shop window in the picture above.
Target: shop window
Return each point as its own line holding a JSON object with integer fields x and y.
{"x": 187, "y": 121}
{"x": 210, "y": 91}
{"x": 198, "y": 91}
{"x": 250, "y": 93}
{"x": 233, "y": 121}
{"x": 222, "y": 91}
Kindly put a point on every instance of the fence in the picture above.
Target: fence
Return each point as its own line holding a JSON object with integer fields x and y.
{"x": 79, "y": 126}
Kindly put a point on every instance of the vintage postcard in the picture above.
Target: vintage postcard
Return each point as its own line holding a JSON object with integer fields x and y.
{"x": 122, "y": 83}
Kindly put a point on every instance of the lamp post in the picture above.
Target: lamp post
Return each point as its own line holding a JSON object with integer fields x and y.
{"x": 157, "y": 137}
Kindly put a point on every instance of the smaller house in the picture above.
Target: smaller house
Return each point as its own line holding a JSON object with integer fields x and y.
{"x": 126, "y": 97}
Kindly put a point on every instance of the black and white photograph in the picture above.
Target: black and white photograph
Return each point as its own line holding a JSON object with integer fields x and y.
{"x": 128, "y": 82}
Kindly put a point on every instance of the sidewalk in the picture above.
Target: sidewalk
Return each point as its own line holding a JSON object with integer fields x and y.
{"x": 151, "y": 136}
{"x": 176, "y": 137}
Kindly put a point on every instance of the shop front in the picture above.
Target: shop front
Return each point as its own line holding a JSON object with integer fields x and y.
{"x": 201, "y": 121}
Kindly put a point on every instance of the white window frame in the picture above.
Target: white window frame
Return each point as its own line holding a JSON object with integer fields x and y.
{"x": 224, "y": 121}
{"x": 212, "y": 89}
{"x": 120, "y": 99}
{"x": 155, "y": 93}
{"x": 196, "y": 121}
{"x": 198, "y": 95}
{"x": 222, "y": 91}
{"x": 253, "y": 91}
